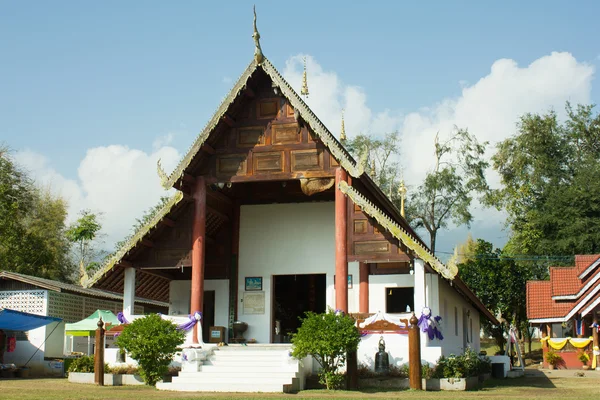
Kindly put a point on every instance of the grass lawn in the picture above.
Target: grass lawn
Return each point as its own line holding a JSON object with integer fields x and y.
{"x": 522, "y": 388}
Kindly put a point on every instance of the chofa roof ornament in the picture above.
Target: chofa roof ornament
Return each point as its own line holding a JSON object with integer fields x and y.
{"x": 258, "y": 54}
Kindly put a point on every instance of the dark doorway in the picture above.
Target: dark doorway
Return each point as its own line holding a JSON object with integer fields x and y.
{"x": 208, "y": 314}
{"x": 294, "y": 295}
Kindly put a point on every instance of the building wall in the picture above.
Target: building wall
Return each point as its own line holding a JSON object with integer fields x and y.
{"x": 457, "y": 314}
{"x": 179, "y": 297}
{"x": 283, "y": 239}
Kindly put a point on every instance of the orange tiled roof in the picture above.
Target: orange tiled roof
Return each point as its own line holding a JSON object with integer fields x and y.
{"x": 584, "y": 261}
{"x": 540, "y": 303}
{"x": 565, "y": 281}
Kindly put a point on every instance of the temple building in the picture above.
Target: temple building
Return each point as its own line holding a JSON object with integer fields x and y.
{"x": 566, "y": 308}
{"x": 271, "y": 218}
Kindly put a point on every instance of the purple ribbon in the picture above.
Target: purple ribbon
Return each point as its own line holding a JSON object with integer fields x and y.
{"x": 194, "y": 318}
{"x": 430, "y": 327}
{"x": 121, "y": 318}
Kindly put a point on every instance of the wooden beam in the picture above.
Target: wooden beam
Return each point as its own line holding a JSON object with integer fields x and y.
{"x": 207, "y": 148}
{"x": 217, "y": 213}
{"x": 147, "y": 243}
{"x": 228, "y": 120}
{"x": 168, "y": 222}
{"x": 156, "y": 273}
{"x": 125, "y": 263}
{"x": 219, "y": 196}
{"x": 187, "y": 178}
{"x": 249, "y": 92}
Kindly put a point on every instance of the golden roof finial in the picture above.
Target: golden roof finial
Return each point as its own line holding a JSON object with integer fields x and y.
{"x": 304, "y": 90}
{"x": 402, "y": 192}
{"x": 343, "y": 130}
{"x": 258, "y": 54}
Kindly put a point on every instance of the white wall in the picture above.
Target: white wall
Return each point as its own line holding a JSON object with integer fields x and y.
{"x": 449, "y": 301}
{"x": 180, "y": 294}
{"x": 284, "y": 239}
{"x": 378, "y": 284}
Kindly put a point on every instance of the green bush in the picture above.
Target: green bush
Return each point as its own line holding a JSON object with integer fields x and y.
{"x": 463, "y": 366}
{"x": 151, "y": 341}
{"x": 553, "y": 358}
{"x": 327, "y": 338}
{"x": 84, "y": 364}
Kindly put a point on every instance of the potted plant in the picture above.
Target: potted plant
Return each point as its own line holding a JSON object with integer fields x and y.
{"x": 552, "y": 359}
{"x": 584, "y": 358}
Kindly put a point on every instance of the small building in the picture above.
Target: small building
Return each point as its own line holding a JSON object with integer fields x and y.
{"x": 566, "y": 308}
{"x": 271, "y": 218}
{"x": 39, "y": 348}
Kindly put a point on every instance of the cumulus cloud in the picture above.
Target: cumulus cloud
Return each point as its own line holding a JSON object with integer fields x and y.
{"x": 115, "y": 180}
{"x": 489, "y": 108}
{"x": 121, "y": 182}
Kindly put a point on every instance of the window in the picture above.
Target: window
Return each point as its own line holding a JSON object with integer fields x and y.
{"x": 445, "y": 319}
{"x": 399, "y": 300}
{"x": 455, "y": 321}
{"x": 471, "y": 329}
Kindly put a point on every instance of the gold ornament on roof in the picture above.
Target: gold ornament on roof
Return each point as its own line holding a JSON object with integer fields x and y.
{"x": 258, "y": 54}
{"x": 304, "y": 90}
{"x": 373, "y": 172}
{"x": 402, "y": 192}
{"x": 343, "y": 130}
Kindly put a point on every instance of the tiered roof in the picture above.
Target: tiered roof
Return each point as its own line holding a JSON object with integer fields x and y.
{"x": 570, "y": 291}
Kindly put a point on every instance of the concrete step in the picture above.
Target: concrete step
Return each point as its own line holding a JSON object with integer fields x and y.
{"x": 251, "y": 380}
{"x": 251, "y": 363}
{"x": 251, "y": 353}
{"x": 237, "y": 369}
{"x": 231, "y": 386}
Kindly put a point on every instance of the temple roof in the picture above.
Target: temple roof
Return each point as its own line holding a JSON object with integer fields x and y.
{"x": 566, "y": 294}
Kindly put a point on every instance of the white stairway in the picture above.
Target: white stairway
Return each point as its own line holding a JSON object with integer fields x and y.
{"x": 238, "y": 368}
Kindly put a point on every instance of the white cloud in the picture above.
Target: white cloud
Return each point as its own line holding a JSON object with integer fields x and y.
{"x": 115, "y": 180}
{"x": 489, "y": 108}
{"x": 163, "y": 141}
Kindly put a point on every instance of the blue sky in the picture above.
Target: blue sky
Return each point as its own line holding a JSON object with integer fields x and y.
{"x": 76, "y": 76}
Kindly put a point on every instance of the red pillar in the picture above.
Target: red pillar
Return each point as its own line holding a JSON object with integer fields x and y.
{"x": 198, "y": 249}
{"x": 341, "y": 253}
{"x": 363, "y": 303}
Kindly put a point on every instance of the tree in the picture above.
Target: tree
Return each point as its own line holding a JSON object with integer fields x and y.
{"x": 152, "y": 342}
{"x": 381, "y": 159}
{"x": 327, "y": 337}
{"x": 32, "y": 225}
{"x": 550, "y": 188}
{"x": 500, "y": 283}
{"x": 447, "y": 191}
{"x": 82, "y": 234}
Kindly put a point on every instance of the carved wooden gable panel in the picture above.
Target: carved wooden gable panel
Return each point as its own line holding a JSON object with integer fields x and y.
{"x": 264, "y": 141}
{"x": 367, "y": 241}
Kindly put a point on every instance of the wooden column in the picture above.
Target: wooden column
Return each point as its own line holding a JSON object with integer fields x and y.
{"x": 363, "y": 272}
{"x": 198, "y": 250}
{"x": 99, "y": 355}
{"x": 341, "y": 240}
{"x": 414, "y": 354}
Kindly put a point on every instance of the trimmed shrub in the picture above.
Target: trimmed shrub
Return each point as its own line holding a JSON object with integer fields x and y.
{"x": 327, "y": 338}
{"x": 152, "y": 342}
{"x": 85, "y": 364}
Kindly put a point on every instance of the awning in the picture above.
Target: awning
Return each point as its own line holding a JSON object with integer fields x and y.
{"x": 21, "y": 321}
{"x": 88, "y": 326}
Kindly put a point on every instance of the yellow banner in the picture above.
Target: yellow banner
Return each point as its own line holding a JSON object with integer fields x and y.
{"x": 558, "y": 344}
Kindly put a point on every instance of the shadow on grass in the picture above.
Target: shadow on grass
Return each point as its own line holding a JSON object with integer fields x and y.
{"x": 537, "y": 381}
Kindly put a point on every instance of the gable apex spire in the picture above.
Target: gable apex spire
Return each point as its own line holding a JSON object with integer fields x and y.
{"x": 304, "y": 90}
{"x": 258, "y": 54}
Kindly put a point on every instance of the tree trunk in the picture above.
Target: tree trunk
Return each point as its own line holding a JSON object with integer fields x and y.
{"x": 432, "y": 236}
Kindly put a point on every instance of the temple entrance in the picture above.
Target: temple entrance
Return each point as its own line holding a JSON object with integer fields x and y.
{"x": 293, "y": 296}
{"x": 208, "y": 314}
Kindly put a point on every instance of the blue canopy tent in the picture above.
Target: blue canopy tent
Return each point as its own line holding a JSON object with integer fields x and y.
{"x": 22, "y": 321}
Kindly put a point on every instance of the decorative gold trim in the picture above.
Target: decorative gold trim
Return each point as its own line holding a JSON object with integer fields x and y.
{"x": 137, "y": 237}
{"x": 258, "y": 54}
{"x": 447, "y": 271}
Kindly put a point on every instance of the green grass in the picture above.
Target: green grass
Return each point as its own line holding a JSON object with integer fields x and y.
{"x": 522, "y": 388}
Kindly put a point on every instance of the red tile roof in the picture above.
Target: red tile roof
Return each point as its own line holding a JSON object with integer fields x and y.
{"x": 540, "y": 303}
{"x": 565, "y": 281}
{"x": 584, "y": 261}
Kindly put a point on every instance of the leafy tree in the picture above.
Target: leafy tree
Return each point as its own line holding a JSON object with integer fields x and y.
{"x": 32, "y": 225}
{"x": 381, "y": 159}
{"x": 500, "y": 283}
{"x": 447, "y": 191}
{"x": 82, "y": 234}
{"x": 152, "y": 342}
{"x": 327, "y": 337}
{"x": 550, "y": 188}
